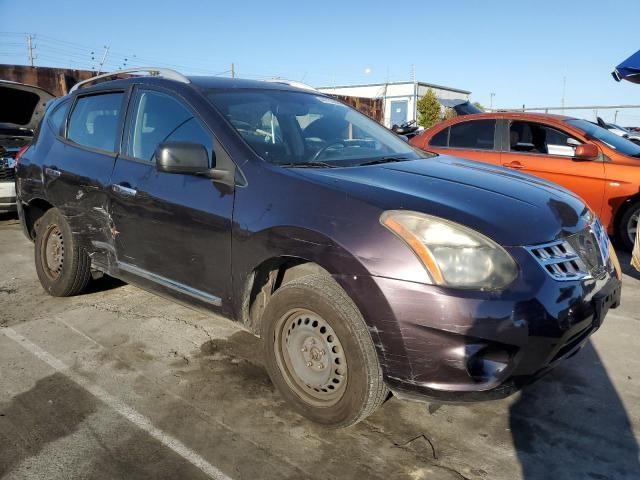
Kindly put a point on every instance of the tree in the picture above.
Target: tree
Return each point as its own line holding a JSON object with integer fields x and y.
{"x": 480, "y": 106}
{"x": 428, "y": 110}
{"x": 449, "y": 113}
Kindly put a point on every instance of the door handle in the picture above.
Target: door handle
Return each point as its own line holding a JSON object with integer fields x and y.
{"x": 122, "y": 190}
{"x": 52, "y": 172}
{"x": 516, "y": 165}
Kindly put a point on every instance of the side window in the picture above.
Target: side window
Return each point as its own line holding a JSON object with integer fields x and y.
{"x": 440, "y": 139}
{"x": 95, "y": 120}
{"x": 530, "y": 137}
{"x": 159, "y": 118}
{"x": 57, "y": 117}
{"x": 473, "y": 134}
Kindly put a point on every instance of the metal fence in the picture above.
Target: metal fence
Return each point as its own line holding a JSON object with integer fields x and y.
{"x": 371, "y": 107}
{"x": 625, "y": 115}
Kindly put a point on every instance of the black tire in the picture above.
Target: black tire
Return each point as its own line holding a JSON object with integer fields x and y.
{"x": 363, "y": 390}
{"x": 66, "y": 271}
{"x": 623, "y": 225}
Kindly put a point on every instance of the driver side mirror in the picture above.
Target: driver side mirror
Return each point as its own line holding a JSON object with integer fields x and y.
{"x": 586, "y": 151}
{"x": 182, "y": 157}
{"x": 191, "y": 159}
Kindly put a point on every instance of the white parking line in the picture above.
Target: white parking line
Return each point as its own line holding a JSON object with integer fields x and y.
{"x": 123, "y": 409}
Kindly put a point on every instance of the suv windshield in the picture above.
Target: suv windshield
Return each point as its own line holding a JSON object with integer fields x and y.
{"x": 302, "y": 129}
{"x": 622, "y": 145}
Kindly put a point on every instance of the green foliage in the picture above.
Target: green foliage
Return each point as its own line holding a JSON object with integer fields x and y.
{"x": 428, "y": 110}
{"x": 449, "y": 113}
{"x": 480, "y": 106}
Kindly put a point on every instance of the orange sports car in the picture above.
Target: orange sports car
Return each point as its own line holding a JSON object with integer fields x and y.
{"x": 599, "y": 166}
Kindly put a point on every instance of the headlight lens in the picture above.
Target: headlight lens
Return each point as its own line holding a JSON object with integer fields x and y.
{"x": 454, "y": 255}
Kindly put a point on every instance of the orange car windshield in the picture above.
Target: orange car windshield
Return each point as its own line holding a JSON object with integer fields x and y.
{"x": 620, "y": 144}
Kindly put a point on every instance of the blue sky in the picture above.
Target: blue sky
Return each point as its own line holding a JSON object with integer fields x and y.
{"x": 520, "y": 50}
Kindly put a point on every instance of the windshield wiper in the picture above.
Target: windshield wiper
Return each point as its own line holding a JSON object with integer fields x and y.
{"x": 307, "y": 165}
{"x": 388, "y": 159}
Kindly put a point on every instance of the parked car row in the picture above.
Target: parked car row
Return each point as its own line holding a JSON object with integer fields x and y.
{"x": 365, "y": 265}
{"x": 623, "y": 132}
{"x": 601, "y": 167}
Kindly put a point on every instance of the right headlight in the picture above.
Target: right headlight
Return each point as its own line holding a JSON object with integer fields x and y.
{"x": 454, "y": 255}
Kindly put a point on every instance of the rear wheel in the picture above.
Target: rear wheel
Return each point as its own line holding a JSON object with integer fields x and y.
{"x": 64, "y": 268}
{"x": 319, "y": 353}
{"x": 628, "y": 226}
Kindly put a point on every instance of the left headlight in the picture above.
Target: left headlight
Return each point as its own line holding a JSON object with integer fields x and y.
{"x": 454, "y": 255}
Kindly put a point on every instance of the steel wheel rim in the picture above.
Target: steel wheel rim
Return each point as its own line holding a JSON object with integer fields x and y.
{"x": 632, "y": 226}
{"x": 53, "y": 252}
{"x": 311, "y": 357}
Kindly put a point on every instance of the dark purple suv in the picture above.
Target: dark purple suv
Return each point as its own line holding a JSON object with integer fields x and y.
{"x": 364, "y": 264}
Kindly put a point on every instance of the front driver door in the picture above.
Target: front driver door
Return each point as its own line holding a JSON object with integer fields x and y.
{"x": 547, "y": 152}
{"x": 172, "y": 229}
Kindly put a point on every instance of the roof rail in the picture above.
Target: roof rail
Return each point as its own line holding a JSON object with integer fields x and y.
{"x": 292, "y": 83}
{"x": 153, "y": 72}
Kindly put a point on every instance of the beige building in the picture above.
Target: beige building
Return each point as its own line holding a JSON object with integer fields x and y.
{"x": 399, "y": 99}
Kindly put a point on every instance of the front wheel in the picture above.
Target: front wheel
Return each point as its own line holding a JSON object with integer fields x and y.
{"x": 628, "y": 226}
{"x": 319, "y": 353}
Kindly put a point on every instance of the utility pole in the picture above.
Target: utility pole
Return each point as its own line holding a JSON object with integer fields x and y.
{"x": 233, "y": 70}
{"x": 615, "y": 117}
{"x": 415, "y": 92}
{"x": 30, "y": 48}
{"x": 564, "y": 88}
{"x": 491, "y": 95}
{"x": 104, "y": 57}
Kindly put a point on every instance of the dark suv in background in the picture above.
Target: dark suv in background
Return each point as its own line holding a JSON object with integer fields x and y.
{"x": 363, "y": 263}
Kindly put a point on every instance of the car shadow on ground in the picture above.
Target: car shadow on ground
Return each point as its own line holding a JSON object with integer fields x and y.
{"x": 104, "y": 284}
{"x": 9, "y": 218}
{"x": 572, "y": 424}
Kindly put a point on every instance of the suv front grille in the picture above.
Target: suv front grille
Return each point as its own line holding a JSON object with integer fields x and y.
{"x": 584, "y": 254}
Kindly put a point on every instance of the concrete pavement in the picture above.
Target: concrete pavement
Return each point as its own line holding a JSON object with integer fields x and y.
{"x": 119, "y": 383}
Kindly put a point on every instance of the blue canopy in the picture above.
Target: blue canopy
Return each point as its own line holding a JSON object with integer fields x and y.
{"x": 629, "y": 69}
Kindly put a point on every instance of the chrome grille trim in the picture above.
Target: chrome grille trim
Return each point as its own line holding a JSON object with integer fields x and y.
{"x": 568, "y": 259}
{"x": 559, "y": 260}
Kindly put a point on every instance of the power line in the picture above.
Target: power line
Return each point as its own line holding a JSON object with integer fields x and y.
{"x": 88, "y": 54}
{"x": 58, "y": 50}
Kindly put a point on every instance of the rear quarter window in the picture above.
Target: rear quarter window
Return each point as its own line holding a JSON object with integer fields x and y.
{"x": 57, "y": 117}
{"x": 474, "y": 134}
{"x": 440, "y": 139}
{"x": 95, "y": 121}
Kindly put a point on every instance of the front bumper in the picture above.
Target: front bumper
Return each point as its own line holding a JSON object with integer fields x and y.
{"x": 7, "y": 196}
{"x": 456, "y": 345}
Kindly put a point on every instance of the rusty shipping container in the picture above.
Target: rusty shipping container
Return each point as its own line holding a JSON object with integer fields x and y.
{"x": 57, "y": 81}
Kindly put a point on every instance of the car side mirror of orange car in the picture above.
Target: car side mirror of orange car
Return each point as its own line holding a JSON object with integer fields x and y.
{"x": 586, "y": 152}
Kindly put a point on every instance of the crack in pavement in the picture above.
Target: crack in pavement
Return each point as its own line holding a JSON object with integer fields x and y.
{"x": 425, "y": 438}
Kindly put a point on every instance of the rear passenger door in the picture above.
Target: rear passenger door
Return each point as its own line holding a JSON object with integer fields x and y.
{"x": 173, "y": 229}
{"x": 548, "y": 152}
{"x": 78, "y": 166}
{"x": 471, "y": 139}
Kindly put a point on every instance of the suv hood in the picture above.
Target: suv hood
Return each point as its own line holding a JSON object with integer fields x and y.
{"x": 22, "y": 106}
{"x": 511, "y": 208}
